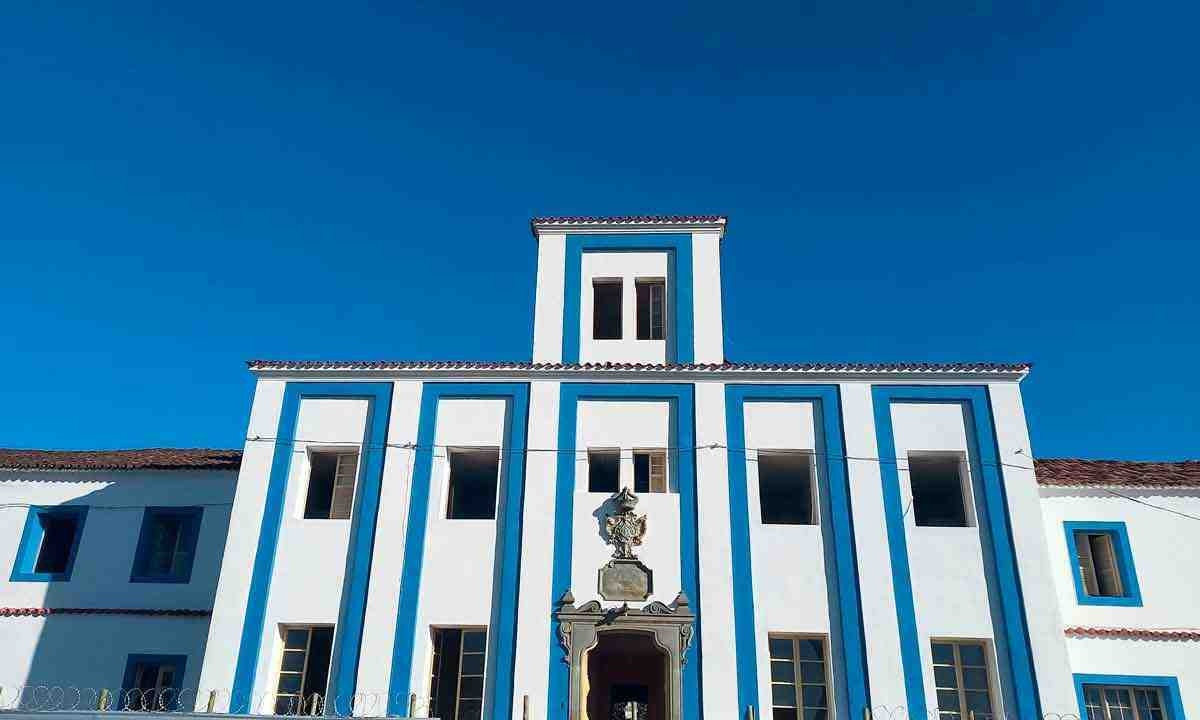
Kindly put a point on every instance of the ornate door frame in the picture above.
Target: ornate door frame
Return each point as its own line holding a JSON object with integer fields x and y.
{"x": 670, "y": 626}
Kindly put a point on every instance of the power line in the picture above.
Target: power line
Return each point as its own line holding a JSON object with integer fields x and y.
{"x": 1151, "y": 505}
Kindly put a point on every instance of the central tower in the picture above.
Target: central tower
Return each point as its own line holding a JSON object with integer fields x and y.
{"x": 628, "y": 290}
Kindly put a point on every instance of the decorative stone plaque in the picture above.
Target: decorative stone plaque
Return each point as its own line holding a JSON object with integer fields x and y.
{"x": 626, "y": 580}
{"x": 625, "y": 577}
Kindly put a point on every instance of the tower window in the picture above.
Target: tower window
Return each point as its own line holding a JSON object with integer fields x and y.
{"x": 937, "y": 490}
{"x": 960, "y": 673}
{"x": 799, "y": 680}
{"x": 474, "y": 474}
{"x": 331, "y": 485}
{"x": 651, "y": 309}
{"x": 650, "y": 471}
{"x": 606, "y": 309}
{"x": 785, "y": 487}
{"x": 604, "y": 469}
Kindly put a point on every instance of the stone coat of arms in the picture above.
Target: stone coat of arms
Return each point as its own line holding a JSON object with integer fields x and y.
{"x": 625, "y": 528}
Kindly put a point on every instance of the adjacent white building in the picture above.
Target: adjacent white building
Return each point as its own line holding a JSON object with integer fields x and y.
{"x": 629, "y": 523}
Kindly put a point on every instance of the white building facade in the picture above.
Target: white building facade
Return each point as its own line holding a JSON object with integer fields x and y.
{"x": 631, "y": 524}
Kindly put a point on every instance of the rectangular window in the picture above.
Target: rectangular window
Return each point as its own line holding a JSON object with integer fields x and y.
{"x": 1113, "y": 702}
{"x": 606, "y": 309}
{"x": 456, "y": 684}
{"x": 604, "y": 470}
{"x": 1098, "y": 564}
{"x": 49, "y": 543}
{"x": 152, "y": 682}
{"x": 331, "y": 481}
{"x": 474, "y": 474}
{"x": 960, "y": 674}
{"x": 799, "y": 681}
{"x": 785, "y": 487}
{"x": 1102, "y": 564}
{"x": 937, "y": 490}
{"x": 167, "y": 544}
{"x": 651, "y": 309}
{"x": 650, "y": 471}
{"x": 303, "y": 670}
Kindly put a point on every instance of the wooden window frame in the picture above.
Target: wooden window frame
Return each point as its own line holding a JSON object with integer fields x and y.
{"x": 1133, "y": 690}
{"x": 963, "y": 711}
{"x": 300, "y": 707}
{"x": 653, "y": 453}
{"x": 797, "y": 676}
{"x": 339, "y": 454}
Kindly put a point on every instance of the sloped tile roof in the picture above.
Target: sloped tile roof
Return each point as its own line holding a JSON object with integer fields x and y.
{"x": 44, "y": 611}
{"x": 727, "y": 367}
{"x": 626, "y": 219}
{"x": 144, "y": 459}
{"x": 1068, "y": 472}
{"x": 1134, "y": 633}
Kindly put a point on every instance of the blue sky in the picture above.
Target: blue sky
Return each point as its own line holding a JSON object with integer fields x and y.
{"x": 184, "y": 188}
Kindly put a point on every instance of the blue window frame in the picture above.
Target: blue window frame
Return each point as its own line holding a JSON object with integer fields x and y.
{"x": 1102, "y": 564}
{"x": 166, "y": 546}
{"x": 1114, "y": 697}
{"x": 153, "y": 682}
{"x": 49, "y": 543}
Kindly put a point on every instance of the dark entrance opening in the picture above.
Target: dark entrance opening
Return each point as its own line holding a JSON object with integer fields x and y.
{"x": 626, "y": 678}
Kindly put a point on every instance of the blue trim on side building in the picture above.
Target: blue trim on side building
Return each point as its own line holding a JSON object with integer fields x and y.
{"x": 189, "y": 535}
{"x": 502, "y": 629}
{"x": 683, "y": 436}
{"x": 681, "y": 344}
{"x": 1169, "y": 686}
{"x": 31, "y": 543}
{"x": 837, "y": 530}
{"x": 1119, "y": 534}
{"x": 1005, "y": 597}
{"x": 343, "y": 668}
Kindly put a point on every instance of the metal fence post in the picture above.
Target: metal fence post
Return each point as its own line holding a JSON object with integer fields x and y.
{"x": 412, "y": 705}
{"x": 102, "y": 703}
{"x": 749, "y": 712}
{"x": 212, "y": 700}
{"x": 525, "y": 707}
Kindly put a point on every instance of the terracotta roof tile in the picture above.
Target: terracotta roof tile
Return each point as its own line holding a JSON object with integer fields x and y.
{"x": 144, "y": 459}
{"x": 518, "y": 366}
{"x": 1066, "y": 472}
{"x": 626, "y": 219}
{"x": 44, "y": 611}
{"x": 1134, "y": 633}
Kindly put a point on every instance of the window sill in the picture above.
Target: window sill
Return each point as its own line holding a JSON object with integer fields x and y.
{"x": 20, "y": 576}
{"x": 1105, "y": 601}
{"x": 180, "y": 580}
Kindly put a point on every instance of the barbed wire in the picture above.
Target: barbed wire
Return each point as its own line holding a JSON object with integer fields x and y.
{"x": 68, "y": 698}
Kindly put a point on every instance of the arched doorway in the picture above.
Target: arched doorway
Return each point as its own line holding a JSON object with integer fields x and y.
{"x": 626, "y": 677}
{"x": 622, "y": 654}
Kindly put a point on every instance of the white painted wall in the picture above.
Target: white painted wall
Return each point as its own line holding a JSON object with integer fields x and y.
{"x": 627, "y": 425}
{"x": 788, "y": 561}
{"x": 628, "y": 268}
{"x": 456, "y": 582}
{"x": 1107, "y": 656}
{"x": 91, "y": 650}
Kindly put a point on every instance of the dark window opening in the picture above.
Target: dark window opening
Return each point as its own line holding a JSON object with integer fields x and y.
{"x": 1098, "y": 564}
{"x": 456, "y": 683}
{"x": 650, "y": 471}
{"x": 606, "y": 310}
{"x": 58, "y": 540}
{"x": 937, "y": 489}
{"x": 474, "y": 475}
{"x": 604, "y": 470}
{"x": 331, "y": 485}
{"x": 152, "y": 683}
{"x": 304, "y": 671}
{"x": 167, "y": 547}
{"x": 785, "y": 488}
{"x": 651, "y": 309}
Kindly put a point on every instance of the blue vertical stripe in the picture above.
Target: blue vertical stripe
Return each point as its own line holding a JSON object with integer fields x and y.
{"x": 348, "y": 640}
{"x": 1004, "y": 585}
{"x": 506, "y": 579}
{"x": 837, "y": 532}
{"x": 681, "y": 328}
{"x": 683, "y": 432}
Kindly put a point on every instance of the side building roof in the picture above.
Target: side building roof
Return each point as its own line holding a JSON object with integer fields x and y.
{"x": 1071, "y": 472}
{"x": 140, "y": 459}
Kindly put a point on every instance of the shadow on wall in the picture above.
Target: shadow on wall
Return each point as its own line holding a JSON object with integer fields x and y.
{"x": 73, "y": 654}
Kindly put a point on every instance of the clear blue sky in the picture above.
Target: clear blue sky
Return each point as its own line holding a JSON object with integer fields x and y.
{"x": 183, "y": 188}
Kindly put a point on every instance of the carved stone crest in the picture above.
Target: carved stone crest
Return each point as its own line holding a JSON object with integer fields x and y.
{"x": 625, "y": 577}
{"x": 625, "y": 528}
